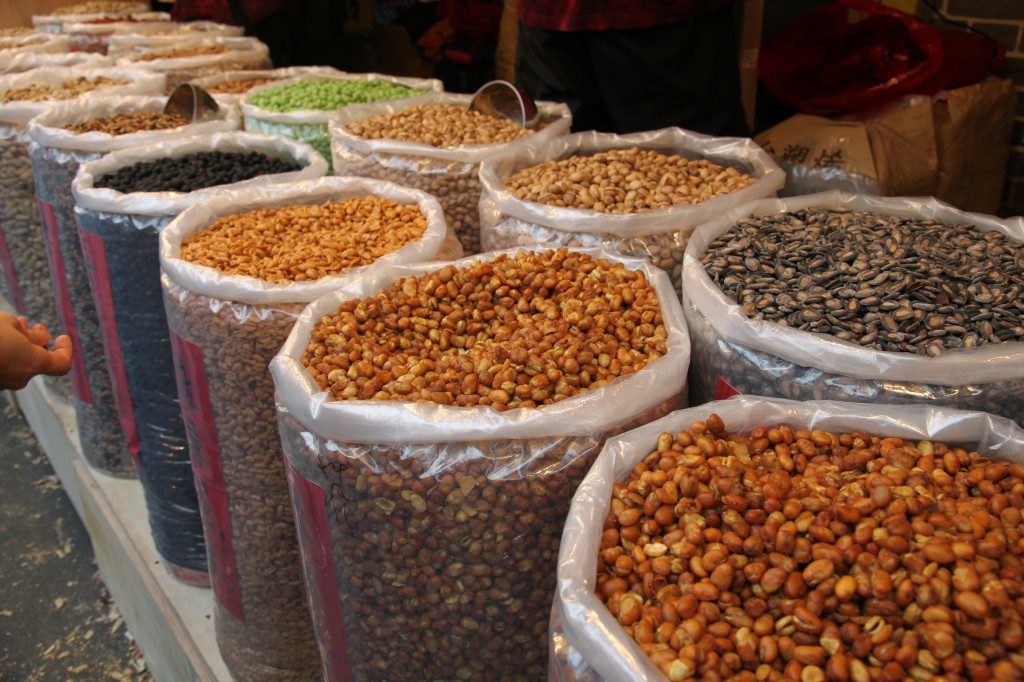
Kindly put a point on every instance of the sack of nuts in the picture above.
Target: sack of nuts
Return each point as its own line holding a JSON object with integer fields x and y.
{"x": 302, "y": 107}
{"x": 436, "y": 144}
{"x": 767, "y": 539}
{"x": 64, "y": 137}
{"x": 91, "y": 10}
{"x": 640, "y": 194}
{"x": 128, "y": 39}
{"x": 238, "y": 269}
{"x": 850, "y": 297}
{"x": 436, "y": 420}
{"x": 194, "y": 57}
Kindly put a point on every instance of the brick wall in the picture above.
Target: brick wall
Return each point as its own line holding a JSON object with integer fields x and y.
{"x": 1003, "y": 20}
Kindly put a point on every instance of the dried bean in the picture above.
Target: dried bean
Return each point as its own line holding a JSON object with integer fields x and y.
{"x": 439, "y": 125}
{"x": 849, "y": 625}
{"x": 327, "y": 94}
{"x": 517, "y": 331}
{"x": 132, "y": 122}
{"x": 194, "y": 171}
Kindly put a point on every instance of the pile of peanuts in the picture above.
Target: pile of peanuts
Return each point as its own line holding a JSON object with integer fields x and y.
{"x": 439, "y": 125}
{"x": 795, "y": 554}
{"x": 520, "y": 330}
{"x": 182, "y": 52}
{"x": 237, "y": 87}
{"x": 306, "y": 242}
{"x": 66, "y": 90}
{"x": 629, "y": 180}
{"x": 133, "y": 122}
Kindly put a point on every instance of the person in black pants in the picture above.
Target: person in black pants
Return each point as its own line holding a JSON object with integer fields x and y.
{"x": 628, "y": 67}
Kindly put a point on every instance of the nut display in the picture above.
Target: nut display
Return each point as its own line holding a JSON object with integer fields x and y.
{"x": 181, "y": 52}
{"x": 439, "y": 125}
{"x": 626, "y": 181}
{"x": 789, "y": 553}
{"x": 72, "y": 87}
{"x": 885, "y": 282}
{"x": 132, "y": 122}
{"x": 522, "y": 330}
{"x": 305, "y": 242}
{"x": 195, "y": 171}
{"x": 329, "y": 93}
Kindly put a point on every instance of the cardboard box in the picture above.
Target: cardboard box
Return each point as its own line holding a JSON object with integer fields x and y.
{"x": 953, "y": 146}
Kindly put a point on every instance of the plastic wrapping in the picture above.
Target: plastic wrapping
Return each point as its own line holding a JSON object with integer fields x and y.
{"x": 659, "y": 235}
{"x": 225, "y": 330}
{"x": 166, "y": 35}
{"x": 450, "y": 174}
{"x": 311, "y": 125}
{"x": 54, "y": 23}
{"x": 473, "y": 576}
{"x": 26, "y": 61}
{"x": 242, "y": 53}
{"x": 732, "y": 353}
{"x": 32, "y": 44}
{"x": 210, "y": 82}
{"x": 55, "y": 155}
{"x": 23, "y": 247}
{"x": 588, "y": 642}
{"x": 118, "y": 234}
{"x": 94, "y": 36}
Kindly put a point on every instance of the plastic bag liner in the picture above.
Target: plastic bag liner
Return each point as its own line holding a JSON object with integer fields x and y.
{"x": 243, "y": 53}
{"x": 35, "y": 43}
{"x": 210, "y": 82}
{"x": 23, "y": 250}
{"x": 127, "y": 39}
{"x": 53, "y": 23}
{"x": 118, "y": 235}
{"x": 587, "y": 642}
{"x": 450, "y": 174}
{"x": 55, "y": 154}
{"x": 26, "y": 61}
{"x": 439, "y": 519}
{"x": 732, "y": 353}
{"x": 311, "y": 125}
{"x": 659, "y": 235}
{"x": 225, "y": 330}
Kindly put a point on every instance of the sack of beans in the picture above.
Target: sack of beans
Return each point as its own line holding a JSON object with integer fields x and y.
{"x": 640, "y": 194}
{"x": 85, "y": 11}
{"x": 194, "y": 57}
{"x": 302, "y": 107}
{"x": 93, "y": 35}
{"x": 23, "y": 246}
{"x": 850, "y": 297}
{"x": 230, "y": 86}
{"x": 436, "y": 420}
{"x": 435, "y": 143}
{"x": 122, "y": 201}
{"x": 128, "y": 39}
{"x": 62, "y": 138}
{"x": 768, "y": 539}
{"x": 35, "y": 43}
{"x": 238, "y": 269}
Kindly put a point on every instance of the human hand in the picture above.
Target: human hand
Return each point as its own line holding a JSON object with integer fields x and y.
{"x": 24, "y": 353}
{"x": 433, "y": 40}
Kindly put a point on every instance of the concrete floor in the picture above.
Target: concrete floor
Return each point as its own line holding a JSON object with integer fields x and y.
{"x": 57, "y": 621}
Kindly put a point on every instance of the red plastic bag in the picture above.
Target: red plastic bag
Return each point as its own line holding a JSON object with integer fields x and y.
{"x": 854, "y": 56}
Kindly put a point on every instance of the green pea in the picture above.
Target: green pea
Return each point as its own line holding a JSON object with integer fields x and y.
{"x": 329, "y": 94}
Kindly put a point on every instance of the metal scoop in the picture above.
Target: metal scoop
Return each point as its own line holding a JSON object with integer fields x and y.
{"x": 191, "y": 102}
{"x": 504, "y": 100}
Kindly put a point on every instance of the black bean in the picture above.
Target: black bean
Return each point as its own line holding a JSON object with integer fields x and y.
{"x": 193, "y": 172}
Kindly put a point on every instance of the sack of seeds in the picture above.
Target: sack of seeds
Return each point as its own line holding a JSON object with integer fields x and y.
{"x": 640, "y": 194}
{"x": 23, "y": 253}
{"x": 35, "y": 44}
{"x": 436, "y": 144}
{"x": 127, "y": 39}
{"x": 436, "y": 419}
{"x": 302, "y": 107}
{"x": 62, "y": 138}
{"x": 229, "y": 87}
{"x": 91, "y": 10}
{"x": 737, "y": 511}
{"x": 239, "y": 267}
{"x": 94, "y": 36}
{"x": 852, "y": 297}
{"x": 195, "y": 57}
